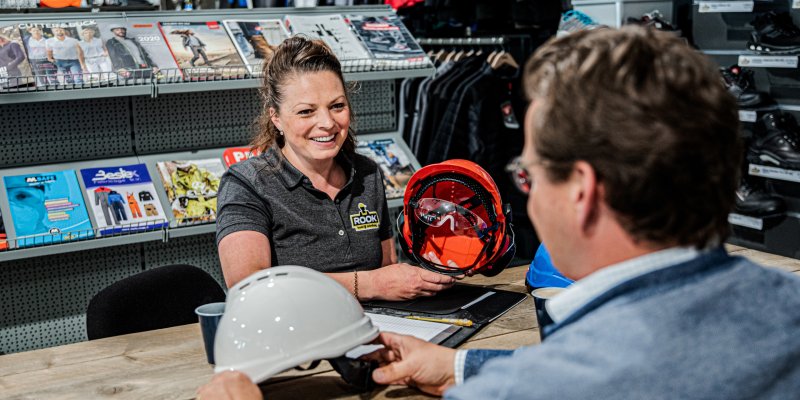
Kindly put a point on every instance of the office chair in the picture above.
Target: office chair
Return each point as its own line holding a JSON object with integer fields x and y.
{"x": 158, "y": 298}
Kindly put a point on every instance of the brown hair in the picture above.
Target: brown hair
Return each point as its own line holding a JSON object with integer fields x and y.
{"x": 653, "y": 119}
{"x": 296, "y": 55}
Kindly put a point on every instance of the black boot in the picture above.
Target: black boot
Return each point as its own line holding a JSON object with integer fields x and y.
{"x": 775, "y": 141}
{"x": 753, "y": 200}
{"x": 775, "y": 33}
{"x": 741, "y": 85}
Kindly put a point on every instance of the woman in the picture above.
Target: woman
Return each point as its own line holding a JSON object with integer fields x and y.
{"x": 95, "y": 56}
{"x": 310, "y": 199}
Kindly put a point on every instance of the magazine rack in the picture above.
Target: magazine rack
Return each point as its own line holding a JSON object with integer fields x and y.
{"x": 45, "y": 288}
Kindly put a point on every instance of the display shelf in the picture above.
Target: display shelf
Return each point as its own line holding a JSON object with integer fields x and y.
{"x": 193, "y": 230}
{"x": 88, "y": 244}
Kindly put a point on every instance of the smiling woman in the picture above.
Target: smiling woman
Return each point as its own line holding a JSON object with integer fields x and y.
{"x": 309, "y": 199}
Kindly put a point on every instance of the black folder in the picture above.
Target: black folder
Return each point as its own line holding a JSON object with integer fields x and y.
{"x": 461, "y": 301}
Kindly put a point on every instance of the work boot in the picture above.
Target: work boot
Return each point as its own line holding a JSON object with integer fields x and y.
{"x": 775, "y": 141}
{"x": 741, "y": 85}
{"x": 775, "y": 33}
{"x": 753, "y": 200}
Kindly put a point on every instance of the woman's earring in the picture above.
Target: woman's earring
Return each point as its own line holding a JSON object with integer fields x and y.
{"x": 280, "y": 132}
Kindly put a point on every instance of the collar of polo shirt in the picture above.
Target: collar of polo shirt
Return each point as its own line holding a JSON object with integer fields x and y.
{"x": 292, "y": 177}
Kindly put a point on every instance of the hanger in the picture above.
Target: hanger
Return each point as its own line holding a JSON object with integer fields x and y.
{"x": 503, "y": 59}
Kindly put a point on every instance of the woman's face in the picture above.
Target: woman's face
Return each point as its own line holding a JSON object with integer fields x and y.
{"x": 88, "y": 34}
{"x": 314, "y": 116}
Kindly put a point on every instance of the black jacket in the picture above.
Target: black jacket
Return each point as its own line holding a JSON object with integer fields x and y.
{"x": 122, "y": 58}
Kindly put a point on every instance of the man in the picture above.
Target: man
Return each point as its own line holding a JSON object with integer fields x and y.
{"x": 632, "y": 153}
{"x": 129, "y": 58}
{"x": 197, "y": 47}
{"x": 67, "y": 55}
{"x": 44, "y": 70}
{"x": 11, "y": 56}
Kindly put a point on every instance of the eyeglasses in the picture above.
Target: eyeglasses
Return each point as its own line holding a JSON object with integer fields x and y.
{"x": 442, "y": 213}
{"x": 519, "y": 174}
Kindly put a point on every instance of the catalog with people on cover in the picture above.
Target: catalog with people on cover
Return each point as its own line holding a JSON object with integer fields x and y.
{"x": 15, "y": 70}
{"x": 203, "y": 50}
{"x": 388, "y": 40}
{"x": 66, "y": 53}
{"x": 123, "y": 199}
{"x": 393, "y": 161}
{"x": 138, "y": 51}
{"x": 256, "y": 40}
{"x": 3, "y": 236}
{"x": 191, "y": 187}
{"x": 47, "y": 208}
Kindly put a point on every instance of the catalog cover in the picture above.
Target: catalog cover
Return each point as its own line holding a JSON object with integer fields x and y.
{"x": 387, "y": 38}
{"x": 233, "y": 155}
{"x": 256, "y": 40}
{"x": 138, "y": 51}
{"x": 334, "y": 31}
{"x": 47, "y": 208}
{"x": 393, "y": 161}
{"x": 123, "y": 199}
{"x": 15, "y": 70}
{"x": 78, "y": 53}
{"x": 192, "y": 187}
{"x": 203, "y": 49}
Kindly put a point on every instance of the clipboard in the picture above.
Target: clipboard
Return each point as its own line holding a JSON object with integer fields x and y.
{"x": 480, "y": 304}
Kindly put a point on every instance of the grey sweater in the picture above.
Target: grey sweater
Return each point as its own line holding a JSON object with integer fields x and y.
{"x": 716, "y": 327}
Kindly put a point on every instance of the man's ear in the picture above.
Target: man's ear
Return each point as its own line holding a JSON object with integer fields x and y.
{"x": 273, "y": 116}
{"x": 585, "y": 194}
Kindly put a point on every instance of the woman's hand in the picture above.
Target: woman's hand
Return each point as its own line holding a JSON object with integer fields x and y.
{"x": 403, "y": 282}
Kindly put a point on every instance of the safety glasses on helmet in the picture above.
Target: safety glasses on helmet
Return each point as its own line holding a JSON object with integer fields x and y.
{"x": 442, "y": 213}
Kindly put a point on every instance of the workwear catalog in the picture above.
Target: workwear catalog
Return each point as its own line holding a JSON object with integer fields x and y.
{"x": 203, "y": 49}
{"x": 334, "y": 31}
{"x": 256, "y": 40}
{"x": 47, "y": 208}
{"x": 393, "y": 161}
{"x": 138, "y": 51}
{"x": 191, "y": 187}
{"x": 14, "y": 67}
{"x": 387, "y": 38}
{"x": 123, "y": 199}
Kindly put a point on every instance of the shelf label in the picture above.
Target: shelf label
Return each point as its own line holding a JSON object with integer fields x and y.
{"x": 774, "y": 173}
{"x": 745, "y": 221}
{"x": 725, "y": 6}
{"x": 795, "y": 3}
{"x": 768, "y": 61}
{"x": 747, "y": 115}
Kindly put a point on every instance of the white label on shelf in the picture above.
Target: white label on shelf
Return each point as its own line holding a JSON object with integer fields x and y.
{"x": 768, "y": 61}
{"x": 724, "y": 6}
{"x": 745, "y": 221}
{"x": 795, "y": 3}
{"x": 774, "y": 172}
{"x": 747, "y": 116}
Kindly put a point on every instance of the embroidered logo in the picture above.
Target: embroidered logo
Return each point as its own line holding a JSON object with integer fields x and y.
{"x": 365, "y": 219}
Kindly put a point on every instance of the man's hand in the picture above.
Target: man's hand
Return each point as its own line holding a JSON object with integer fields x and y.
{"x": 403, "y": 281}
{"x": 410, "y": 361}
{"x": 229, "y": 385}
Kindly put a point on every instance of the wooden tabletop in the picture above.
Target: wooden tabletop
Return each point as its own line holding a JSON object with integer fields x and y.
{"x": 170, "y": 363}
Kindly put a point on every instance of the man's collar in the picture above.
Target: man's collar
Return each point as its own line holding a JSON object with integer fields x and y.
{"x": 585, "y": 290}
{"x": 292, "y": 177}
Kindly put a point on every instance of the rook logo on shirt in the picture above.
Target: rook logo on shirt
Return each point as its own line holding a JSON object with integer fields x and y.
{"x": 365, "y": 219}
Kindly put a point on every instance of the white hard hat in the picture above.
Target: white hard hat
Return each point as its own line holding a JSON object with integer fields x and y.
{"x": 281, "y": 317}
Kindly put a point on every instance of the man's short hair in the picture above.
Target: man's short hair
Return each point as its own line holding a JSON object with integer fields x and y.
{"x": 652, "y": 117}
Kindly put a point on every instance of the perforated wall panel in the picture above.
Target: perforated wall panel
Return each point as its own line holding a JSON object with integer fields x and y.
{"x": 192, "y": 121}
{"x": 374, "y": 107}
{"x": 50, "y": 132}
{"x": 43, "y": 300}
{"x": 200, "y": 251}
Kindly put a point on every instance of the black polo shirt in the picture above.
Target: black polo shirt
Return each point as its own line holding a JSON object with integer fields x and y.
{"x": 304, "y": 226}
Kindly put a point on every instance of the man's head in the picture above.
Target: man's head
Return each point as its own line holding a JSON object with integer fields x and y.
{"x": 35, "y": 31}
{"x": 4, "y": 39}
{"x": 630, "y": 133}
{"x": 58, "y": 32}
{"x": 119, "y": 30}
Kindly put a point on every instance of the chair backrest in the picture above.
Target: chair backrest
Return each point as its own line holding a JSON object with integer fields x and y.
{"x": 158, "y": 298}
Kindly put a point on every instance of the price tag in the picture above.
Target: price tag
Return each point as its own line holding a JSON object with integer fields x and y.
{"x": 774, "y": 173}
{"x": 768, "y": 61}
{"x": 725, "y": 6}
{"x": 745, "y": 221}
{"x": 747, "y": 116}
{"x": 795, "y": 3}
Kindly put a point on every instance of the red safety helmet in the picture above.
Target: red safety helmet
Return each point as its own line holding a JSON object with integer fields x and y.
{"x": 454, "y": 210}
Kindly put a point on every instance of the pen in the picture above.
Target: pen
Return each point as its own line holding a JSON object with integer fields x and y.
{"x": 453, "y": 321}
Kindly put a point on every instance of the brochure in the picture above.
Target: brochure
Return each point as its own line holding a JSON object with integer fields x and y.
{"x": 191, "y": 187}
{"x": 392, "y": 160}
{"x": 256, "y": 40}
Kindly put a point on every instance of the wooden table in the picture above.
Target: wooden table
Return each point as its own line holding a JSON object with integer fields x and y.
{"x": 170, "y": 363}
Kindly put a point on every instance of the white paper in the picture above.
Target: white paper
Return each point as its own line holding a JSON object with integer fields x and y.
{"x": 424, "y": 330}
{"x": 747, "y": 116}
{"x": 745, "y": 221}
